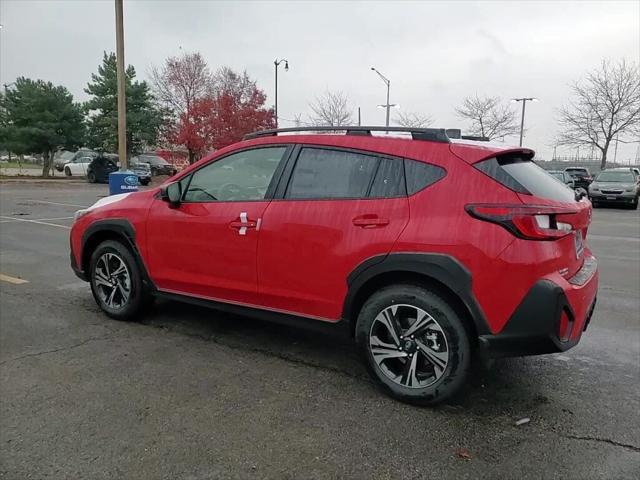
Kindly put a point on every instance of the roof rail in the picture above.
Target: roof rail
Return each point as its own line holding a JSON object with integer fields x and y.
{"x": 428, "y": 134}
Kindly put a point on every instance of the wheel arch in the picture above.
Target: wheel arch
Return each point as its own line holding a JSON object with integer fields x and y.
{"x": 117, "y": 229}
{"x": 439, "y": 272}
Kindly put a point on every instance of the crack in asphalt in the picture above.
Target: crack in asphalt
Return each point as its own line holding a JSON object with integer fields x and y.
{"x": 602, "y": 440}
{"x": 60, "y": 349}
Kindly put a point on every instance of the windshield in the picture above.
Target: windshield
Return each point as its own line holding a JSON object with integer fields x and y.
{"x": 153, "y": 159}
{"x": 612, "y": 176}
{"x": 577, "y": 172}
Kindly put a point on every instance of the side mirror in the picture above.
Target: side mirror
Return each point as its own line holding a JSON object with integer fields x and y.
{"x": 172, "y": 194}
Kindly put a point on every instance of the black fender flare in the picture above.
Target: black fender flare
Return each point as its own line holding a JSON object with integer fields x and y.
{"x": 123, "y": 229}
{"x": 441, "y": 268}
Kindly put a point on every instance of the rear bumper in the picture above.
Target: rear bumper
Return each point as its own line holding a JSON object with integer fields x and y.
{"x": 534, "y": 327}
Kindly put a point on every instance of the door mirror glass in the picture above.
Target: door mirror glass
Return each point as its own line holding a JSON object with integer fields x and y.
{"x": 172, "y": 194}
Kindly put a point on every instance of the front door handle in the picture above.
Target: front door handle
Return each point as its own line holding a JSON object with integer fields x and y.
{"x": 243, "y": 224}
{"x": 370, "y": 221}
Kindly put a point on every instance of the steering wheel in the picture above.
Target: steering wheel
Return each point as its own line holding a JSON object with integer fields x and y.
{"x": 229, "y": 191}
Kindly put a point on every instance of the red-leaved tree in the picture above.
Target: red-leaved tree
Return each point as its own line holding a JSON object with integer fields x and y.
{"x": 216, "y": 121}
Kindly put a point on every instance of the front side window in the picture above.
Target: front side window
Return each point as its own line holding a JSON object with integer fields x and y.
{"x": 241, "y": 176}
{"x": 326, "y": 174}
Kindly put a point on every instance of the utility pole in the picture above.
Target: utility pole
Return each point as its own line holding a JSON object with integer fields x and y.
{"x": 122, "y": 102}
{"x": 524, "y": 101}
{"x": 276, "y": 63}
{"x": 388, "y": 84}
{"x": 359, "y": 122}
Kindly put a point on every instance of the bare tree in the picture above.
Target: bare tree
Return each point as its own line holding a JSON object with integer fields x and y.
{"x": 238, "y": 85}
{"x": 606, "y": 104}
{"x": 331, "y": 109}
{"x": 413, "y": 120}
{"x": 489, "y": 117}
{"x": 181, "y": 81}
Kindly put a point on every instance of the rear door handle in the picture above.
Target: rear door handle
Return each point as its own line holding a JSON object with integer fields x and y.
{"x": 370, "y": 221}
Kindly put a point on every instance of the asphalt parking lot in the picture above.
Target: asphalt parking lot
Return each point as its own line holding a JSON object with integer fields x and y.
{"x": 196, "y": 394}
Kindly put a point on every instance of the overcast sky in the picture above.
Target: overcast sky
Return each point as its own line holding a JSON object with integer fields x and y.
{"x": 434, "y": 53}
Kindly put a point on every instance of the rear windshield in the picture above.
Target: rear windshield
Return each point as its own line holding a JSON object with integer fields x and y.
{"x": 524, "y": 176}
{"x": 615, "y": 177}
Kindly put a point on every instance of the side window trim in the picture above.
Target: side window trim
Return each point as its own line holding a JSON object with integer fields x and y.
{"x": 334, "y": 149}
{"x": 270, "y": 189}
{"x": 287, "y": 173}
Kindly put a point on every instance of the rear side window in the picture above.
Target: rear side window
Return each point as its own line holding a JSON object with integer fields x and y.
{"x": 389, "y": 179}
{"x": 524, "y": 176}
{"x": 420, "y": 175}
{"x": 321, "y": 173}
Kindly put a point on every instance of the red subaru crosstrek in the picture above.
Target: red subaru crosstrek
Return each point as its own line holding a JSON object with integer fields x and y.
{"x": 430, "y": 249}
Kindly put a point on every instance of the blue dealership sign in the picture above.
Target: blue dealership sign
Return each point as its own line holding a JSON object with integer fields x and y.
{"x": 123, "y": 182}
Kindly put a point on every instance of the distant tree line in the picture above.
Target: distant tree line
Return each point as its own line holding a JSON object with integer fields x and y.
{"x": 187, "y": 105}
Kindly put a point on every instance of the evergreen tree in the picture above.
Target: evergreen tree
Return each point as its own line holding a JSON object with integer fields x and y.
{"x": 143, "y": 118}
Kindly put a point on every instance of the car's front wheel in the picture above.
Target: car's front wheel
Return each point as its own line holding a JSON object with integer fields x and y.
{"x": 116, "y": 280}
{"x": 67, "y": 171}
{"x": 414, "y": 344}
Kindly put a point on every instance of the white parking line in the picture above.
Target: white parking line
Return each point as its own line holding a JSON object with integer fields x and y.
{"x": 51, "y": 219}
{"x": 56, "y": 203}
{"x": 35, "y": 221}
{"x": 14, "y": 280}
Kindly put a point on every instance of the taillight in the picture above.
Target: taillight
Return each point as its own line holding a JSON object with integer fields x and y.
{"x": 530, "y": 222}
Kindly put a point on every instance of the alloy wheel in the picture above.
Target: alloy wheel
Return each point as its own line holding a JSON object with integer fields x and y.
{"x": 409, "y": 346}
{"x": 112, "y": 280}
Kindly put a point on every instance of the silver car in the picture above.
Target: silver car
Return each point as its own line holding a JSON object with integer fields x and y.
{"x": 615, "y": 187}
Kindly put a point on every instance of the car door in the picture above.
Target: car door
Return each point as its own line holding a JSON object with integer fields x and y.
{"x": 338, "y": 209}
{"x": 206, "y": 246}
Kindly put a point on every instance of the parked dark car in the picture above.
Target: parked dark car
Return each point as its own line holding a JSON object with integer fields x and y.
{"x": 158, "y": 165}
{"x": 581, "y": 175}
{"x": 100, "y": 167}
{"x": 141, "y": 169}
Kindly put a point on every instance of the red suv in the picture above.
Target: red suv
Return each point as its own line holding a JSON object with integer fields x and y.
{"x": 431, "y": 250}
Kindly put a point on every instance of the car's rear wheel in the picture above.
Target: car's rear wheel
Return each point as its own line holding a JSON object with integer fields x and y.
{"x": 91, "y": 177}
{"x": 67, "y": 171}
{"x": 414, "y": 344}
{"x": 116, "y": 281}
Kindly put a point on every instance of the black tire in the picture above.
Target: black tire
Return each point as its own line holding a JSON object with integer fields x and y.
{"x": 91, "y": 177}
{"x": 137, "y": 298}
{"x": 67, "y": 172}
{"x": 450, "y": 325}
{"x": 144, "y": 182}
{"x": 634, "y": 205}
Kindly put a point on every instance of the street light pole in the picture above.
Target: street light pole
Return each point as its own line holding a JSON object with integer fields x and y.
{"x": 122, "y": 103}
{"x": 388, "y": 84}
{"x": 276, "y": 63}
{"x": 524, "y": 101}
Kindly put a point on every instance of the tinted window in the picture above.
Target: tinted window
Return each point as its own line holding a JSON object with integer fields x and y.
{"x": 154, "y": 160}
{"x": 321, "y": 173}
{"x": 389, "y": 179}
{"x": 524, "y": 176}
{"x": 493, "y": 168}
{"x": 240, "y": 176}
{"x": 420, "y": 175}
